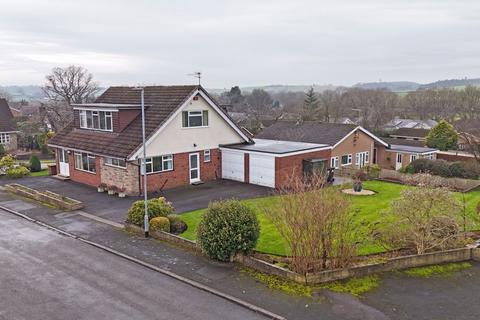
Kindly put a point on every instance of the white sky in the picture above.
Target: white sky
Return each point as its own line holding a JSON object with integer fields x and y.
{"x": 244, "y": 42}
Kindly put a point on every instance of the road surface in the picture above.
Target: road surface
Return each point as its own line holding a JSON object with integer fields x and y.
{"x": 44, "y": 275}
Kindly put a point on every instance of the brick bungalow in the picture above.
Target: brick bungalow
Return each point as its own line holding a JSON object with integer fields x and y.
{"x": 8, "y": 128}
{"x": 351, "y": 146}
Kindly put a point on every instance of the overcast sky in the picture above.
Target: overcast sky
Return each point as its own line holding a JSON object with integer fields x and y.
{"x": 246, "y": 42}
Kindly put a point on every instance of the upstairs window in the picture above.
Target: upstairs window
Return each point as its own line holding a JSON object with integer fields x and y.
{"x": 96, "y": 120}
{"x": 4, "y": 138}
{"x": 192, "y": 119}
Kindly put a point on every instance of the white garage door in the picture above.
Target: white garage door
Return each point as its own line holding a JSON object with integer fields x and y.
{"x": 232, "y": 165}
{"x": 262, "y": 170}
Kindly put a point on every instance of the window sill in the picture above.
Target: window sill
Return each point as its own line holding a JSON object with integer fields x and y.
{"x": 114, "y": 166}
{"x": 199, "y": 127}
{"x": 157, "y": 172}
{"x": 96, "y": 130}
{"x": 86, "y": 171}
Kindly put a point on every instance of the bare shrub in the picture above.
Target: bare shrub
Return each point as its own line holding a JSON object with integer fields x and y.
{"x": 316, "y": 224}
{"x": 424, "y": 218}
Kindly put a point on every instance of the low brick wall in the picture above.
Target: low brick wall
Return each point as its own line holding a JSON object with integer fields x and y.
{"x": 164, "y": 236}
{"x": 46, "y": 196}
{"x": 455, "y": 255}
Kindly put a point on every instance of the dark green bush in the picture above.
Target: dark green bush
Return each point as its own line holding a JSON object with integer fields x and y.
{"x": 35, "y": 164}
{"x": 2, "y": 150}
{"x": 459, "y": 169}
{"x": 227, "y": 228}
{"x": 160, "y": 224}
{"x": 440, "y": 168}
{"x": 157, "y": 207}
{"x": 177, "y": 225}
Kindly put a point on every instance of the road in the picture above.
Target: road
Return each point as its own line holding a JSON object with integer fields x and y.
{"x": 45, "y": 275}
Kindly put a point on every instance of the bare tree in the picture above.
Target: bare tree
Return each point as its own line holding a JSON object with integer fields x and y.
{"x": 64, "y": 86}
{"x": 73, "y": 84}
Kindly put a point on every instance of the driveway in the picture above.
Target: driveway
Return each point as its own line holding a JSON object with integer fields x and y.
{"x": 48, "y": 276}
{"x": 184, "y": 199}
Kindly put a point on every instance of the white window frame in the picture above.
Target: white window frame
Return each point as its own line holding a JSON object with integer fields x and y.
{"x": 79, "y": 166}
{"x": 365, "y": 155}
{"x": 115, "y": 162}
{"x": 399, "y": 157}
{"x": 96, "y": 117}
{"x": 349, "y": 160}
{"x": 207, "y": 156}
{"x": 168, "y": 158}
{"x": 195, "y": 113}
{"x": 334, "y": 162}
{"x": 413, "y": 157}
{"x": 4, "y": 138}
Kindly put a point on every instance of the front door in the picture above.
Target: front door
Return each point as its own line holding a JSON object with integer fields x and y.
{"x": 194, "y": 167}
{"x": 63, "y": 162}
{"x": 398, "y": 162}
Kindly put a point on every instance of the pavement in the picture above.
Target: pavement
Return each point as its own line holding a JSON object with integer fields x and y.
{"x": 398, "y": 297}
{"x": 113, "y": 208}
{"x": 46, "y": 275}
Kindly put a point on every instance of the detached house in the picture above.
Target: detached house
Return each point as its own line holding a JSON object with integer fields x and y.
{"x": 184, "y": 130}
{"x": 8, "y": 128}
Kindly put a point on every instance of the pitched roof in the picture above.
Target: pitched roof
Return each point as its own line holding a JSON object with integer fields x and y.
{"x": 307, "y": 131}
{"x": 162, "y": 102}
{"x": 411, "y": 132}
{"x": 7, "y": 124}
{"x": 405, "y": 142}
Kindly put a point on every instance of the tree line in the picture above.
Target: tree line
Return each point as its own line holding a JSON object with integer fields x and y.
{"x": 371, "y": 108}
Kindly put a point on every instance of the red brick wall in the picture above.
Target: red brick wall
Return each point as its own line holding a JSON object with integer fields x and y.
{"x": 123, "y": 119}
{"x": 246, "y": 167}
{"x": 181, "y": 170}
{"x": 92, "y": 179}
{"x": 454, "y": 157}
{"x": 292, "y": 166}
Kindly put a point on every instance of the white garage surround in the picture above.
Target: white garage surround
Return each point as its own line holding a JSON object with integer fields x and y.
{"x": 262, "y": 155}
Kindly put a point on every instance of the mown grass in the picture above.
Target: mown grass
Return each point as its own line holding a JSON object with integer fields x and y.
{"x": 355, "y": 286}
{"x": 370, "y": 217}
{"x": 437, "y": 270}
{"x": 41, "y": 173}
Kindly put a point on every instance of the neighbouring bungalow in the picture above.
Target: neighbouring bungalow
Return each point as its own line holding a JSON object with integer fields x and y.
{"x": 352, "y": 146}
{"x": 8, "y": 128}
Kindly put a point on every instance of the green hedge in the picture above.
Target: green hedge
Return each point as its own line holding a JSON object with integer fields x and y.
{"x": 157, "y": 207}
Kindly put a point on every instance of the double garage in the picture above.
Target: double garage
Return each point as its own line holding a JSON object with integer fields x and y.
{"x": 271, "y": 163}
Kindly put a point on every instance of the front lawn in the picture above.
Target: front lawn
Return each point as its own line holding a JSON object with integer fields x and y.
{"x": 369, "y": 216}
{"x": 40, "y": 173}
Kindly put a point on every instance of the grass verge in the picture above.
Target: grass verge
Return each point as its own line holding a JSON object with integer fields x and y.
{"x": 41, "y": 173}
{"x": 354, "y": 286}
{"x": 437, "y": 270}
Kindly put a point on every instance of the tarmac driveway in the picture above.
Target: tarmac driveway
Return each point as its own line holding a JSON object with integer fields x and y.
{"x": 184, "y": 199}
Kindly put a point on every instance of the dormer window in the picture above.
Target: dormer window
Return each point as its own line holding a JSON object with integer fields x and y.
{"x": 96, "y": 120}
{"x": 192, "y": 119}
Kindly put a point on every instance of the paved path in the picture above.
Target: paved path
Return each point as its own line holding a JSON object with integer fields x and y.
{"x": 45, "y": 275}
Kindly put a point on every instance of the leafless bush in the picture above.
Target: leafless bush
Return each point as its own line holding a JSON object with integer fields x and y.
{"x": 424, "y": 218}
{"x": 317, "y": 225}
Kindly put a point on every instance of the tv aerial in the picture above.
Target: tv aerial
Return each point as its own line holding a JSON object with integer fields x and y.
{"x": 197, "y": 75}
